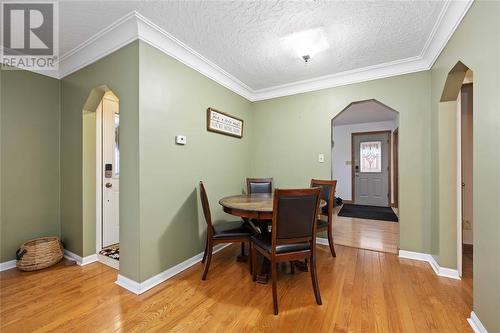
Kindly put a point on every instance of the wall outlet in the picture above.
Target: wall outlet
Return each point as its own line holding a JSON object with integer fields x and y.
{"x": 321, "y": 158}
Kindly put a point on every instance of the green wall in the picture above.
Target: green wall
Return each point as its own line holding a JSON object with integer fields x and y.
{"x": 119, "y": 72}
{"x": 30, "y": 119}
{"x": 290, "y": 132}
{"x": 173, "y": 100}
{"x": 89, "y": 208}
{"x": 159, "y": 206}
{"x": 476, "y": 43}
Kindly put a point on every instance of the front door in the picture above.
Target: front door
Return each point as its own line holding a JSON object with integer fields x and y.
{"x": 111, "y": 171}
{"x": 371, "y": 168}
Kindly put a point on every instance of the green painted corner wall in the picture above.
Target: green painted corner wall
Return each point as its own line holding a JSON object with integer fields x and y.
{"x": 89, "y": 153}
{"x": 173, "y": 100}
{"x": 290, "y": 132}
{"x": 118, "y": 71}
{"x": 476, "y": 43}
{"x": 30, "y": 117}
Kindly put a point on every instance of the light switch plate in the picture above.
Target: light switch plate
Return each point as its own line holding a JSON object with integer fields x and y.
{"x": 180, "y": 139}
{"x": 321, "y": 158}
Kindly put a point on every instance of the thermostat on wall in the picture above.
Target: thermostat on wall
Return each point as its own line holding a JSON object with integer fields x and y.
{"x": 180, "y": 139}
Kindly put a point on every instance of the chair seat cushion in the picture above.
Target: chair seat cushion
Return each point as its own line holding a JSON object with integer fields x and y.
{"x": 231, "y": 229}
{"x": 322, "y": 224}
{"x": 264, "y": 241}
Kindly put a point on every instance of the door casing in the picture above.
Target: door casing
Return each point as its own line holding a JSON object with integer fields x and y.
{"x": 353, "y": 171}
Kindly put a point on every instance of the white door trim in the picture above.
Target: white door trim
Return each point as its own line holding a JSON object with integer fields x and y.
{"x": 459, "y": 184}
{"x": 98, "y": 173}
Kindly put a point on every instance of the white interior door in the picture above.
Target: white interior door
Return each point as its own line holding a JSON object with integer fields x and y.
{"x": 371, "y": 167}
{"x": 110, "y": 172}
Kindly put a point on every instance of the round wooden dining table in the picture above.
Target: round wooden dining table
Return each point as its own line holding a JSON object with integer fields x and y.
{"x": 258, "y": 206}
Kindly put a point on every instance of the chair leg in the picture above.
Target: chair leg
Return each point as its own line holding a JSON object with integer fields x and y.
{"x": 205, "y": 253}
{"x": 274, "y": 277}
{"x": 242, "y": 249}
{"x": 314, "y": 279}
{"x": 250, "y": 257}
{"x": 292, "y": 267}
{"x": 330, "y": 241}
{"x": 209, "y": 258}
{"x": 253, "y": 251}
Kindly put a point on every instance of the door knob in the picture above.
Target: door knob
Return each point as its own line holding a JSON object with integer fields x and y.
{"x": 108, "y": 185}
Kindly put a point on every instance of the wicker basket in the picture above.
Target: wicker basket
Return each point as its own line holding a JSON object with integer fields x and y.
{"x": 39, "y": 253}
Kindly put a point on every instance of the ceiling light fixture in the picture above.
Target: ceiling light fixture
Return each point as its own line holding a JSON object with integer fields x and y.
{"x": 306, "y": 44}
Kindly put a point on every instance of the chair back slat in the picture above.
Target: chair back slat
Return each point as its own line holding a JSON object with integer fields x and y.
{"x": 205, "y": 205}
{"x": 328, "y": 188}
{"x": 294, "y": 215}
{"x": 259, "y": 185}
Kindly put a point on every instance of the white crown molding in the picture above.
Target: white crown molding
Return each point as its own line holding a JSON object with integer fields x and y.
{"x": 117, "y": 35}
{"x": 141, "y": 287}
{"x": 476, "y": 324}
{"x": 440, "y": 271}
{"x": 7, "y": 265}
{"x": 393, "y": 68}
{"x": 134, "y": 26}
{"x": 168, "y": 44}
{"x": 79, "y": 260}
{"x": 450, "y": 17}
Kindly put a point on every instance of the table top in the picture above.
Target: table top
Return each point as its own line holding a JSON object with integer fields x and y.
{"x": 258, "y": 202}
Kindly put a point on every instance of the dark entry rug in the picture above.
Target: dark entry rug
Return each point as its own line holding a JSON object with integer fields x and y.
{"x": 368, "y": 212}
{"x": 113, "y": 252}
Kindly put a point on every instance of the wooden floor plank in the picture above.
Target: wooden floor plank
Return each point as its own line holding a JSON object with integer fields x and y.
{"x": 362, "y": 291}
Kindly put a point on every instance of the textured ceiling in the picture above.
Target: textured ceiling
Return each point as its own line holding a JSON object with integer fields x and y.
{"x": 243, "y": 37}
{"x": 365, "y": 112}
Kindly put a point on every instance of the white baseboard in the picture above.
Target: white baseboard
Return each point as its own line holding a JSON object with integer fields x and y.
{"x": 476, "y": 324}
{"x": 7, "y": 265}
{"x": 322, "y": 241}
{"x": 441, "y": 271}
{"x": 141, "y": 287}
{"x": 113, "y": 263}
{"x": 79, "y": 260}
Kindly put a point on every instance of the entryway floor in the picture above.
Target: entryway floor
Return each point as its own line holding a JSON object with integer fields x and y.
{"x": 366, "y": 234}
{"x": 110, "y": 256}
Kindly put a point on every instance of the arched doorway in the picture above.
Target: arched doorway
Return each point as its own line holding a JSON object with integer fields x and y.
{"x": 456, "y": 105}
{"x": 363, "y": 163}
{"x": 101, "y": 171}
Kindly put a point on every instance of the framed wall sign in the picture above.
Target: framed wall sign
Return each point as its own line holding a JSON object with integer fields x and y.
{"x": 224, "y": 123}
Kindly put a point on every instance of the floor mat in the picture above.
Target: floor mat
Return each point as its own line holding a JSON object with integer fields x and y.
{"x": 368, "y": 212}
{"x": 112, "y": 252}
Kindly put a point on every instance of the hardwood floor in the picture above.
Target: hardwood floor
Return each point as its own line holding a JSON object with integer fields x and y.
{"x": 362, "y": 291}
{"x": 366, "y": 234}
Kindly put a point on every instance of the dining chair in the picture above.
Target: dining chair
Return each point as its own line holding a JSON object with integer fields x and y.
{"x": 259, "y": 185}
{"x": 293, "y": 235}
{"x": 225, "y": 232}
{"x": 328, "y": 194}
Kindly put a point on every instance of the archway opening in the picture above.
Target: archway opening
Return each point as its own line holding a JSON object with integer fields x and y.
{"x": 101, "y": 173}
{"x": 365, "y": 163}
{"x": 456, "y": 108}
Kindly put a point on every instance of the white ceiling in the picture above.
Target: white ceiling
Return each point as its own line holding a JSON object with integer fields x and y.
{"x": 242, "y": 37}
{"x": 365, "y": 112}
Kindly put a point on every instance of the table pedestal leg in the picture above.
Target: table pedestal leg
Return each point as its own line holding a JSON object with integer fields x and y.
{"x": 263, "y": 276}
{"x": 242, "y": 257}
